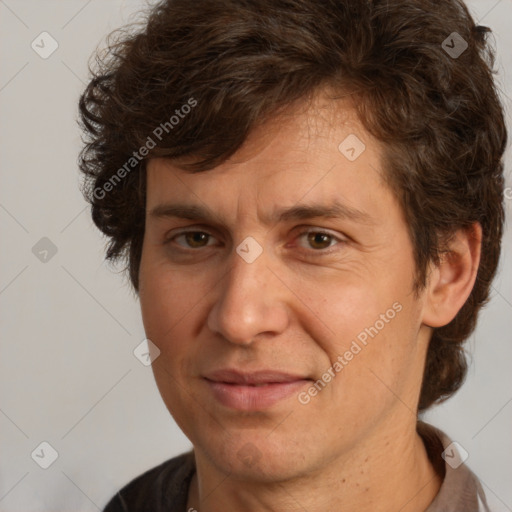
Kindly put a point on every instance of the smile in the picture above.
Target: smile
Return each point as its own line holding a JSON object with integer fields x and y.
{"x": 254, "y": 396}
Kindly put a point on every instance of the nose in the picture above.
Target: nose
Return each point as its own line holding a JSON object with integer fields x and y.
{"x": 251, "y": 301}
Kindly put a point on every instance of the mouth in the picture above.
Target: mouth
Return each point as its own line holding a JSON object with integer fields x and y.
{"x": 254, "y": 378}
{"x": 253, "y": 391}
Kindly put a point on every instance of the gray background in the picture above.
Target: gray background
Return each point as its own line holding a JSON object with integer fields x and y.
{"x": 69, "y": 325}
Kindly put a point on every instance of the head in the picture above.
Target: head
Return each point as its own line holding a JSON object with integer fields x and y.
{"x": 244, "y": 108}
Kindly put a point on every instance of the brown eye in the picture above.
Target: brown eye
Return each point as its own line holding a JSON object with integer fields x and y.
{"x": 196, "y": 238}
{"x": 320, "y": 243}
{"x": 319, "y": 240}
{"x": 193, "y": 239}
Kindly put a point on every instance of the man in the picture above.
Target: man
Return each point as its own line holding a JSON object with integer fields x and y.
{"x": 309, "y": 197}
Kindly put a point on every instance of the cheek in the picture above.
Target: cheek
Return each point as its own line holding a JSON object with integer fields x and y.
{"x": 343, "y": 308}
{"x": 359, "y": 299}
{"x": 169, "y": 307}
{"x": 372, "y": 331}
{"x": 375, "y": 358}
{"x": 167, "y": 301}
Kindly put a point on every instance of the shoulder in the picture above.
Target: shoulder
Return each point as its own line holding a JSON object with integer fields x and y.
{"x": 461, "y": 489}
{"x": 162, "y": 488}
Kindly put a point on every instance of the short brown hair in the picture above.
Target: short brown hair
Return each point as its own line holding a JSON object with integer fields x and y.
{"x": 436, "y": 111}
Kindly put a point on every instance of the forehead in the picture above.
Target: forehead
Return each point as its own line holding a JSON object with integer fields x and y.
{"x": 314, "y": 152}
{"x": 306, "y": 129}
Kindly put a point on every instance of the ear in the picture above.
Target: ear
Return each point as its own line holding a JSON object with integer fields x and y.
{"x": 450, "y": 283}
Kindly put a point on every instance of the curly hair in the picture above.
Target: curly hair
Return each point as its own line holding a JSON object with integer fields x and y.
{"x": 237, "y": 63}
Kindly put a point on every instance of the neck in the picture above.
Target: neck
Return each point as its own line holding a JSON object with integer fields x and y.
{"x": 391, "y": 472}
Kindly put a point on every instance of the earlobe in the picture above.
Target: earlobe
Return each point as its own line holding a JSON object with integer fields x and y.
{"x": 450, "y": 283}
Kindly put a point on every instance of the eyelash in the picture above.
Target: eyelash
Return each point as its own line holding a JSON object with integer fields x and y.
{"x": 314, "y": 252}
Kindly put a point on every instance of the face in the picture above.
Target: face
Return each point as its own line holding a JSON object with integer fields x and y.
{"x": 289, "y": 266}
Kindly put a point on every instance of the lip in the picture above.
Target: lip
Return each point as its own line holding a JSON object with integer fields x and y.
{"x": 233, "y": 376}
{"x": 253, "y": 391}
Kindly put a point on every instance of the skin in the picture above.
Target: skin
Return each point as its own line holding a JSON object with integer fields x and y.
{"x": 296, "y": 308}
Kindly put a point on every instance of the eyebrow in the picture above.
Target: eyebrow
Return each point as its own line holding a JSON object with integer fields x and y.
{"x": 335, "y": 210}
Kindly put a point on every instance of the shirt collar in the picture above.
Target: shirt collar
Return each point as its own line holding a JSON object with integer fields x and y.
{"x": 461, "y": 489}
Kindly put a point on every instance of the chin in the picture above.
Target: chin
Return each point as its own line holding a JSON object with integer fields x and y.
{"x": 256, "y": 458}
